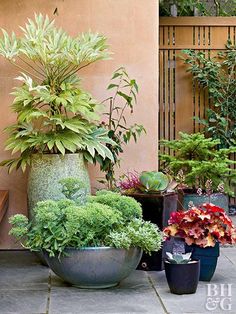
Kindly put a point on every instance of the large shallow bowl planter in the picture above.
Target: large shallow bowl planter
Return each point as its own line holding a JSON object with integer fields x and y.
{"x": 45, "y": 173}
{"x": 182, "y": 278}
{"x": 157, "y": 209}
{"x": 208, "y": 257}
{"x": 95, "y": 267}
{"x": 218, "y": 199}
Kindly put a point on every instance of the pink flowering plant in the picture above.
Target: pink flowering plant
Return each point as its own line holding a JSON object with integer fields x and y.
{"x": 202, "y": 226}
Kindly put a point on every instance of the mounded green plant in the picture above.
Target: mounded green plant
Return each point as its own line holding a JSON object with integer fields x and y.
{"x": 216, "y": 75}
{"x": 54, "y": 113}
{"x": 61, "y": 224}
{"x": 196, "y": 161}
{"x": 128, "y": 206}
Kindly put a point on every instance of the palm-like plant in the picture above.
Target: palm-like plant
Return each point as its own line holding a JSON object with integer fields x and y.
{"x": 54, "y": 114}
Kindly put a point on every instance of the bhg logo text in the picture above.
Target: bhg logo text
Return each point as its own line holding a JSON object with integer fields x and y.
{"x": 219, "y": 297}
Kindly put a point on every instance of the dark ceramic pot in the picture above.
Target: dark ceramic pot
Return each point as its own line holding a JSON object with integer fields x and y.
{"x": 182, "y": 278}
{"x": 208, "y": 259}
{"x": 157, "y": 209}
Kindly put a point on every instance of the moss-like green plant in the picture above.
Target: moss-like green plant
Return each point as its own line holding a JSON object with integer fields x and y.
{"x": 54, "y": 113}
{"x": 61, "y": 224}
{"x": 127, "y": 206}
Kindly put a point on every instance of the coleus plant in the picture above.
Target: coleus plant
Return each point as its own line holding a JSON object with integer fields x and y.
{"x": 202, "y": 226}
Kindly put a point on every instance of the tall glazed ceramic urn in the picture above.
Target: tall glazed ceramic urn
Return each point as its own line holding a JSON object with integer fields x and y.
{"x": 47, "y": 170}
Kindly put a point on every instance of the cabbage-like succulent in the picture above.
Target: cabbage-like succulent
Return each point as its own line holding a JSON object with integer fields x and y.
{"x": 153, "y": 181}
{"x": 177, "y": 258}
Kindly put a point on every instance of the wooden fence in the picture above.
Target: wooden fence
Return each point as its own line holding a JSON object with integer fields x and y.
{"x": 180, "y": 99}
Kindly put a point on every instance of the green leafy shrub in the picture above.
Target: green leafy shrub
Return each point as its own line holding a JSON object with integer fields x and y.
{"x": 199, "y": 161}
{"x": 54, "y": 113}
{"x": 61, "y": 224}
{"x": 216, "y": 75}
{"x": 127, "y": 206}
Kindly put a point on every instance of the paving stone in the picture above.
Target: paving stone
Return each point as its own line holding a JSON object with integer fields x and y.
{"x": 196, "y": 303}
{"x": 134, "y": 295}
{"x": 23, "y": 302}
{"x": 21, "y": 270}
{"x": 24, "y": 290}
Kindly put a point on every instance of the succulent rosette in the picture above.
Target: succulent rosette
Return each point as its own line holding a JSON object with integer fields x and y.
{"x": 202, "y": 226}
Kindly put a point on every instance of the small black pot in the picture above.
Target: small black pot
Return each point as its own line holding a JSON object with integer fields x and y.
{"x": 182, "y": 278}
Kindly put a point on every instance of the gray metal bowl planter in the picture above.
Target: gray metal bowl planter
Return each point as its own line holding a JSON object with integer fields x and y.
{"x": 95, "y": 267}
{"x": 45, "y": 172}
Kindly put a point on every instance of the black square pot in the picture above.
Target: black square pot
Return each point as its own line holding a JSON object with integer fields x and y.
{"x": 156, "y": 209}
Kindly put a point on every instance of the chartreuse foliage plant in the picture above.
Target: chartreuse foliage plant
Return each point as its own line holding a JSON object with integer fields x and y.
{"x": 216, "y": 75}
{"x": 61, "y": 224}
{"x": 54, "y": 113}
{"x": 128, "y": 206}
{"x": 197, "y": 160}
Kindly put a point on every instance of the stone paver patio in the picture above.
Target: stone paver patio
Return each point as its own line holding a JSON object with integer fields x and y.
{"x": 27, "y": 287}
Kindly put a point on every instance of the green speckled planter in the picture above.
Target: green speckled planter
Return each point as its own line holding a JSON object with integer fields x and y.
{"x": 47, "y": 170}
{"x": 217, "y": 199}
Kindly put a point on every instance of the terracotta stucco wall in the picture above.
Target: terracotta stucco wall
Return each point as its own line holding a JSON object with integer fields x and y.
{"x": 131, "y": 29}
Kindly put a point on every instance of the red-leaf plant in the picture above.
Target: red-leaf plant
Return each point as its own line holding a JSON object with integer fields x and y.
{"x": 202, "y": 226}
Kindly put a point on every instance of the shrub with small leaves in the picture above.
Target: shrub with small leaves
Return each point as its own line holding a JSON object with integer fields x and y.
{"x": 127, "y": 206}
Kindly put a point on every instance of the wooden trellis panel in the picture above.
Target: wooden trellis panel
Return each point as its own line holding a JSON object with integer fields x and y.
{"x": 180, "y": 99}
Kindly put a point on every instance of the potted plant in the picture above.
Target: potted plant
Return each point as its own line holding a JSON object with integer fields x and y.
{"x": 152, "y": 190}
{"x": 182, "y": 273}
{"x": 95, "y": 245}
{"x": 198, "y": 165}
{"x": 201, "y": 230}
{"x": 57, "y": 123}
